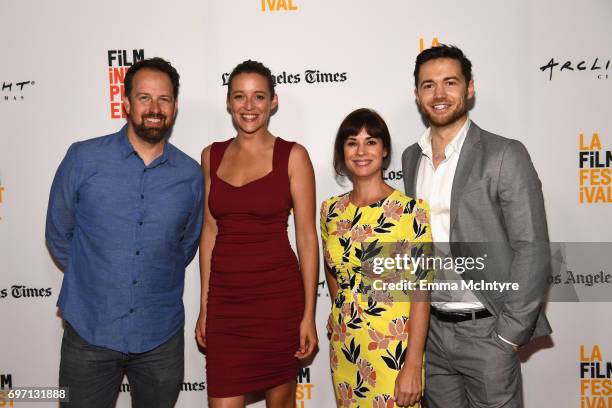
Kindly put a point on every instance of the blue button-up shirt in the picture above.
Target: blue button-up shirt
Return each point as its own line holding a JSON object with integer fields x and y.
{"x": 123, "y": 233}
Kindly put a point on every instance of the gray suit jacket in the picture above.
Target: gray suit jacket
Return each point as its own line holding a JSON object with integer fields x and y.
{"x": 497, "y": 208}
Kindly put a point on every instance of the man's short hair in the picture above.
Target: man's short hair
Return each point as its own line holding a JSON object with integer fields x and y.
{"x": 443, "y": 51}
{"x": 155, "y": 64}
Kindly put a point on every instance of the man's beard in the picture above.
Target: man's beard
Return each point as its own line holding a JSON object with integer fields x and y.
{"x": 153, "y": 135}
{"x": 437, "y": 121}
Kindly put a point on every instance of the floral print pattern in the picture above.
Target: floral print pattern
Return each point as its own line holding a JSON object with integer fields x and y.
{"x": 361, "y": 233}
{"x": 369, "y": 328}
{"x": 345, "y": 395}
{"x": 398, "y": 329}
{"x": 383, "y": 401}
{"x": 367, "y": 372}
{"x": 342, "y": 227}
{"x": 421, "y": 216}
{"x": 393, "y": 209}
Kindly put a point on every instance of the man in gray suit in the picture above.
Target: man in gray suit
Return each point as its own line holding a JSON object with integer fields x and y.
{"x": 485, "y": 198}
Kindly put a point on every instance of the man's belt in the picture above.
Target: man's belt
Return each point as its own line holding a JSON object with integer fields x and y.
{"x": 456, "y": 317}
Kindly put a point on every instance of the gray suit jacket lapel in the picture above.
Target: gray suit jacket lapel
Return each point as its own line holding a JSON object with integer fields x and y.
{"x": 469, "y": 152}
{"x": 411, "y": 166}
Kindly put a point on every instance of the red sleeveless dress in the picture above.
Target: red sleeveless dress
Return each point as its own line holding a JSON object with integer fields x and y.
{"x": 256, "y": 295}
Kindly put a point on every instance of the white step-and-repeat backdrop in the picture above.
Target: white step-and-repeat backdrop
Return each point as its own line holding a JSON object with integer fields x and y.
{"x": 543, "y": 75}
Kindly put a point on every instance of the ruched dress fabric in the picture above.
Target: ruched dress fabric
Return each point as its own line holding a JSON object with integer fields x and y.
{"x": 256, "y": 294}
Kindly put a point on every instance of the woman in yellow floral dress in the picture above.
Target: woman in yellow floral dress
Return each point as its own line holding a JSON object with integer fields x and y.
{"x": 377, "y": 339}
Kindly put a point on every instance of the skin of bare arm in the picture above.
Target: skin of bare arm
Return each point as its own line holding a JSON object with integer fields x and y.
{"x": 332, "y": 283}
{"x": 302, "y": 185}
{"x": 408, "y": 384}
{"x": 207, "y": 242}
{"x": 332, "y": 286}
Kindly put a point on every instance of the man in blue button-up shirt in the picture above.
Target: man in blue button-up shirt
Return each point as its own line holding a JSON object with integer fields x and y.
{"x": 123, "y": 222}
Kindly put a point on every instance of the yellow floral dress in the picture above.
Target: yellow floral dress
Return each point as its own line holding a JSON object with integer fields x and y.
{"x": 369, "y": 327}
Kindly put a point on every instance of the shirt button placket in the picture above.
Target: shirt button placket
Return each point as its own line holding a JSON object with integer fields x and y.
{"x": 139, "y": 222}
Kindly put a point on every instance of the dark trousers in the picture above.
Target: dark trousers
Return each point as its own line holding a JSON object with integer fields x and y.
{"x": 468, "y": 366}
{"x": 94, "y": 374}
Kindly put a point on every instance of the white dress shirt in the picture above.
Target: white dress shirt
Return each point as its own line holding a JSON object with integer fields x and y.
{"x": 434, "y": 185}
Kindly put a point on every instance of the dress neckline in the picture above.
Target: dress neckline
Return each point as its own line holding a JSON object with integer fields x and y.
{"x": 252, "y": 181}
{"x": 382, "y": 200}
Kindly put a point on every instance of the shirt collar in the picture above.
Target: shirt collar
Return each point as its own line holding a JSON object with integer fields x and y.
{"x": 454, "y": 146}
{"x": 168, "y": 155}
{"x": 125, "y": 147}
{"x": 126, "y": 150}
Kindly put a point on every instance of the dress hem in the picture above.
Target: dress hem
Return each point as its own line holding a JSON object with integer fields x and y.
{"x": 254, "y": 389}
